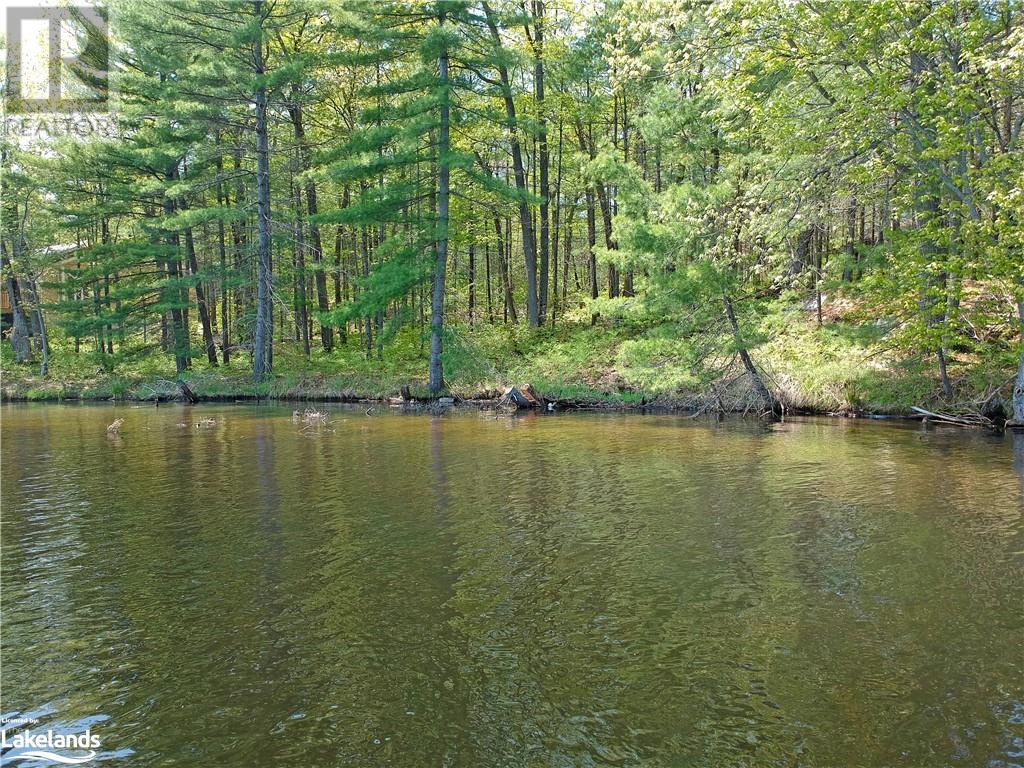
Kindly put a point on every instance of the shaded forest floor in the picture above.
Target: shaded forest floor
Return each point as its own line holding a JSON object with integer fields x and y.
{"x": 844, "y": 366}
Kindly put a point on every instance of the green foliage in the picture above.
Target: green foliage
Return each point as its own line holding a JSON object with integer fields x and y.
{"x": 760, "y": 155}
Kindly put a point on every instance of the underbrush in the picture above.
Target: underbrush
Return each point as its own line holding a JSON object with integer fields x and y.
{"x": 843, "y": 366}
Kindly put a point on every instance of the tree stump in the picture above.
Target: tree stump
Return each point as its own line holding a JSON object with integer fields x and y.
{"x": 523, "y": 397}
{"x": 187, "y": 393}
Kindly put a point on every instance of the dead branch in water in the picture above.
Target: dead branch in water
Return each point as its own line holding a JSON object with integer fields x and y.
{"x": 972, "y": 420}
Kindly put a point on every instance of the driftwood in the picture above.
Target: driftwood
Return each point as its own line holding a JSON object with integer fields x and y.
{"x": 522, "y": 397}
{"x": 976, "y": 421}
{"x": 532, "y": 396}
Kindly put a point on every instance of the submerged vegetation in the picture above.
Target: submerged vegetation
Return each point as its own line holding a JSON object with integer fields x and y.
{"x": 727, "y": 206}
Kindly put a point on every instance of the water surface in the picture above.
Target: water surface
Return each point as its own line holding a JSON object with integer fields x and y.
{"x": 580, "y": 590}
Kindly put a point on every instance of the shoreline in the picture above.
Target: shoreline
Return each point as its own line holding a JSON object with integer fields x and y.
{"x": 610, "y": 402}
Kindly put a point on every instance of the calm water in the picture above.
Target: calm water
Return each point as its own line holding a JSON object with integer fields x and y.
{"x": 577, "y": 590}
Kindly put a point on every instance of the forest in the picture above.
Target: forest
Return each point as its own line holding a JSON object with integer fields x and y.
{"x": 728, "y": 205}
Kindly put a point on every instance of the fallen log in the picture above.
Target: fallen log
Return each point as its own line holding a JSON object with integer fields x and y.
{"x": 532, "y": 396}
{"x": 973, "y": 421}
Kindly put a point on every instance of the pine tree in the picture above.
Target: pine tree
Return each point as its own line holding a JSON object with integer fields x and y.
{"x": 401, "y": 158}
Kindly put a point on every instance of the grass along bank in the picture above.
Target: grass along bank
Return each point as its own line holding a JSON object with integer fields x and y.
{"x": 844, "y": 366}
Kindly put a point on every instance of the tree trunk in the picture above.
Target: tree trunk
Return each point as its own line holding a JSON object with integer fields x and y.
{"x": 933, "y": 286}
{"x": 172, "y": 294}
{"x": 341, "y": 280}
{"x": 1018, "y": 389}
{"x": 627, "y": 287}
{"x": 300, "y": 275}
{"x": 436, "y": 369}
{"x": 851, "y": 246}
{"x": 525, "y": 219}
{"x": 204, "y": 310}
{"x": 755, "y": 376}
{"x": 591, "y": 245}
{"x": 487, "y": 275}
{"x": 506, "y": 280}
{"x": 223, "y": 201}
{"x": 39, "y": 330}
{"x": 19, "y": 324}
{"x": 312, "y": 208}
{"x": 44, "y": 345}
{"x": 179, "y": 330}
{"x": 567, "y": 257}
{"x": 239, "y": 238}
{"x": 587, "y": 145}
{"x": 802, "y": 255}
{"x": 606, "y": 218}
{"x": 471, "y": 276}
{"x": 556, "y": 220}
{"x": 926, "y": 206}
{"x": 262, "y": 362}
{"x": 543, "y": 157}
{"x": 367, "y": 321}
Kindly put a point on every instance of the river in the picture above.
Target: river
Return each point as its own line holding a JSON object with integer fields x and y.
{"x": 464, "y": 590}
